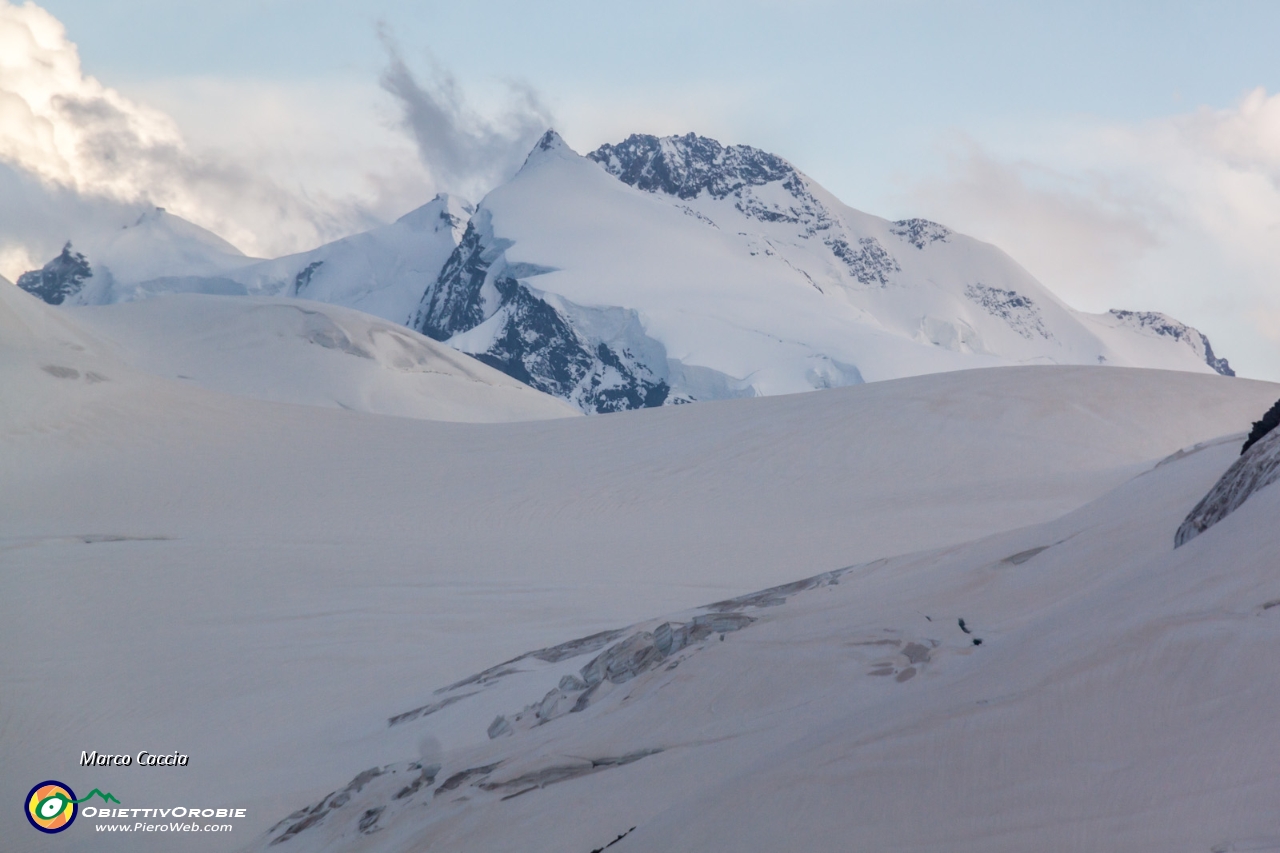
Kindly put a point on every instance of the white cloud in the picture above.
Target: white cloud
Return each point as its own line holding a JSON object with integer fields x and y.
{"x": 1179, "y": 214}
{"x": 74, "y": 152}
{"x": 465, "y": 152}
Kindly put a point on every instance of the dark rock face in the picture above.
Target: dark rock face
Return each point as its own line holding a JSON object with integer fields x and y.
{"x": 920, "y": 232}
{"x": 1256, "y": 469}
{"x": 62, "y": 277}
{"x": 1167, "y": 326}
{"x": 869, "y": 263}
{"x": 1019, "y": 311}
{"x": 452, "y": 304}
{"x": 684, "y": 166}
{"x": 1219, "y": 365}
{"x": 534, "y": 341}
{"x": 539, "y": 347}
{"x": 302, "y": 280}
{"x": 1269, "y": 421}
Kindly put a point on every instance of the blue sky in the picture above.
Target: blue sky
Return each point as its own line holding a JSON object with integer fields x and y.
{"x": 1127, "y": 153}
{"x": 849, "y": 90}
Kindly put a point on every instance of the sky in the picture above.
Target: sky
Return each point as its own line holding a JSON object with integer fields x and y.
{"x": 1127, "y": 154}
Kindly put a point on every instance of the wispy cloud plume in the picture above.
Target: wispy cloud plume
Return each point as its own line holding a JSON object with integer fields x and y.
{"x": 465, "y": 152}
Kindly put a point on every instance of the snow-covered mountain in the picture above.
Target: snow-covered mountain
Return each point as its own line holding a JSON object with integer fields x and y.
{"x": 159, "y": 253}
{"x": 381, "y": 272}
{"x": 660, "y": 271}
{"x": 675, "y": 269}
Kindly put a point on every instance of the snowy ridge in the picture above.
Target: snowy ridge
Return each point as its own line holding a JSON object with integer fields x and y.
{"x": 1257, "y": 468}
{"x": 159, "y": 253}
{"x": 737, "y": 275}
{"x": 690, "y": 165}
{"x": 1155, "y": 324}
{"x": 659, "y": 271}
{"x": 382, "y": 272}
{"x": 310, "y": 353}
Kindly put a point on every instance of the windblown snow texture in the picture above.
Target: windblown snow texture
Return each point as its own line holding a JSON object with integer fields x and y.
{"x": 345, "y": 550}
{"x": 61, "y": 278}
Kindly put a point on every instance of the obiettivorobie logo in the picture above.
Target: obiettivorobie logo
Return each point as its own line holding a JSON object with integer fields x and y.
{"x": 52, "y": 806}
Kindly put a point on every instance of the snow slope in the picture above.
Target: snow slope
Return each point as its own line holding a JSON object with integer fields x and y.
{"x": 381, "y": 272}
{"x": 262, "y": 586}
{"x": 159, "y": 253}
{"x": 674, "y": 269}
{"x": 298, "y": 351}
{"x": 1121, "y": 698}
{"x": 1257, "y": 468}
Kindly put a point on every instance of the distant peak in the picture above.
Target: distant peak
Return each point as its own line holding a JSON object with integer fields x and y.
{"x": 685, "y": 166}
{"x": 549, "y": 141}
{"x": 1153, "y": 322}
{"x": 149, "y": 216}
{"x": 450, "y": 209}
{"x": 550, "y": 144}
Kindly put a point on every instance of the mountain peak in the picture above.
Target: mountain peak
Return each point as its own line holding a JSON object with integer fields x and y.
{"x": 1155, "y": 323}
{"x": 444, "y": 208}
{"x": 548, "y": 145}
{"x": 551, "y": 140}
{"x": 685, "y": 166}
{"x": 152, "y": 215}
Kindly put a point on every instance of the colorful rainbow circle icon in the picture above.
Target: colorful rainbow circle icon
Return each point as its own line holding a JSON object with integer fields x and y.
{"x": 51, "y": 806}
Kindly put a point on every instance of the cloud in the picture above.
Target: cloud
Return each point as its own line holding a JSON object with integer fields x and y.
{"x": 75, "y": 152}
{"x": 465, "y": 152}
{"x": 1179, "y": 214}
{"x": 1078, "y": 229}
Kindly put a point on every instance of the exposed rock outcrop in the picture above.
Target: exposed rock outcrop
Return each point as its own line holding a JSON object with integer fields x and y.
{"x": 1256, "y": 469}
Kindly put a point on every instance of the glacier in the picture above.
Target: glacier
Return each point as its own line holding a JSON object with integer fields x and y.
{"x": 654, "y": 272}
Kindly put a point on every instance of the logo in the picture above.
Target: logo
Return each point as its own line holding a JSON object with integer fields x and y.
{"x": 52, "y": 806}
